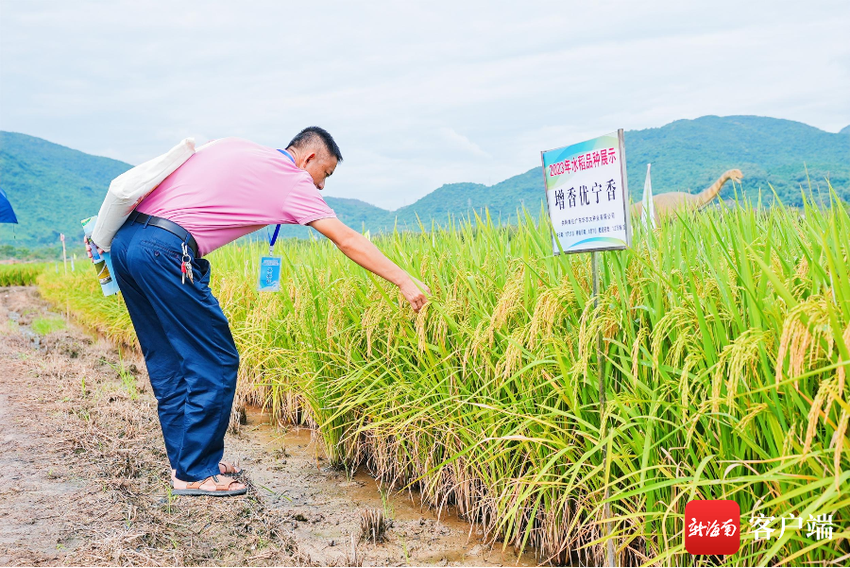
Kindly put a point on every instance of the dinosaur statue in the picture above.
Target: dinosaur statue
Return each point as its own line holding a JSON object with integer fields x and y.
{"x": 669, "y": 204}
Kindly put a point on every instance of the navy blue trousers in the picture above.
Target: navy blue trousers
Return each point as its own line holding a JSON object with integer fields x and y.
{"x": 188, "y": 348}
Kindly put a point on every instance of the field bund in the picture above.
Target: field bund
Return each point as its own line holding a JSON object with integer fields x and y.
{"x": 726, "y": 352}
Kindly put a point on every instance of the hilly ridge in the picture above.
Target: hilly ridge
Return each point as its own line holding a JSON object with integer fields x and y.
{"x": 52, "y": 187}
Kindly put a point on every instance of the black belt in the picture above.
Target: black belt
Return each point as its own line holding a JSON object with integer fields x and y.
{"x": 170, "y": 226}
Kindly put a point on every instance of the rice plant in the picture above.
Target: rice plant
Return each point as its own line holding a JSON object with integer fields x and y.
{"x": 726, "y": 344}
{"x": 20, "y": 274}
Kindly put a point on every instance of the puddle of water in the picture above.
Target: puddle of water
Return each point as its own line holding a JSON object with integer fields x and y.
{"x": 363, "y": 491}
{"x": 15, "y": 321}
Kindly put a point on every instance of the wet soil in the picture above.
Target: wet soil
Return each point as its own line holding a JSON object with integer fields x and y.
{"x": 84, "y": 479}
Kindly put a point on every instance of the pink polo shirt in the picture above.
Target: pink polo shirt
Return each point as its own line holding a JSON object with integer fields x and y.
{"x": 231, "y": 187}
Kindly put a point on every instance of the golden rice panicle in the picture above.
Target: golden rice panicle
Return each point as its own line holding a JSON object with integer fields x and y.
{"x": 737, "y": 363}
{"x": 839, "y": 439}
{"x": 511, "y": 360}
{"x": 509, "y": 301}
{"x": 815, "y": 411}
{"x": 800, "y": 343}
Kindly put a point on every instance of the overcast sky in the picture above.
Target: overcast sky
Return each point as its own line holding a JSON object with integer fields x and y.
{"x": 417, "y": 94}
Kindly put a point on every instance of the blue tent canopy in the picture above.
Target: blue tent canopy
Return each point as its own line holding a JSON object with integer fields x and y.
{"x": 7, "y": 215}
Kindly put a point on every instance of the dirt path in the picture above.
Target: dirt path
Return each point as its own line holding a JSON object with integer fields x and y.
{"x": 83, "y": 474}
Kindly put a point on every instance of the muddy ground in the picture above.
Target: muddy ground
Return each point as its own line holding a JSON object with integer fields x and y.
{"x": 84, "y": 479}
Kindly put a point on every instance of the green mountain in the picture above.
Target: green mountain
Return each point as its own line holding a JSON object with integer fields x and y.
{"x": 691, "y": 155}
{"x": 52, "y": 187}
{"x": 686, "y": 155}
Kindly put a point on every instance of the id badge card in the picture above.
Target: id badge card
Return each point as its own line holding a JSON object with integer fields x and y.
{"x": 269, "y": 279}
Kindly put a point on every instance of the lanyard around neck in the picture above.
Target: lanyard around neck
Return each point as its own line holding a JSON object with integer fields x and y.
{"x": 273, "y": 240}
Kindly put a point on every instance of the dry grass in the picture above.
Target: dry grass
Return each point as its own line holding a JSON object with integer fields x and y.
{"x": 373, "y": 526}
{"x": 106, "y": 440}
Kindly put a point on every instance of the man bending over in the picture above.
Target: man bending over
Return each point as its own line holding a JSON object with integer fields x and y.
{"x": 229, "y": 188}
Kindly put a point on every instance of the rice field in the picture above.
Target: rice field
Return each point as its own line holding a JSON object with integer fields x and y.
{"x": 20, "y": 274}
{"x": 725, "y": 349}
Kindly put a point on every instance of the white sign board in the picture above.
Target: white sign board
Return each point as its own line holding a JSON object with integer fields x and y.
{"x": 587, "y": 195}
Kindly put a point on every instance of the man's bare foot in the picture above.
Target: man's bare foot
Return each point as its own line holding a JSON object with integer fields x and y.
{"x": 227, "y": 468}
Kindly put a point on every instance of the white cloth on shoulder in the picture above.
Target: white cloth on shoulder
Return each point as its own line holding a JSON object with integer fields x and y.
{"x": 127, "y": 190}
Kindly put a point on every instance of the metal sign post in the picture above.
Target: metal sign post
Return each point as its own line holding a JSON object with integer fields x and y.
{"x": 587, "y": 199}
{"x": 610, "y": 559}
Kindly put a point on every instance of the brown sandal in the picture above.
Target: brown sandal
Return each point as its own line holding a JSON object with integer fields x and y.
{"x": 229, "y": 469}
{"x": 221, "y": 488}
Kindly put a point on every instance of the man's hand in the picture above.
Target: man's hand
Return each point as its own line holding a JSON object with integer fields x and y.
{"x": 415, "y": 292}
{"x": 88, "y": 248}
{"x": 359, "y": 249}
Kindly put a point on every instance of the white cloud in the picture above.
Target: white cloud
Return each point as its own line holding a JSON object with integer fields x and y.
{"x": 417, "y": 94}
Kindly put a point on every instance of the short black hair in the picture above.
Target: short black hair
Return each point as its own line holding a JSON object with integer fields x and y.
{"x": 310, "y": 135}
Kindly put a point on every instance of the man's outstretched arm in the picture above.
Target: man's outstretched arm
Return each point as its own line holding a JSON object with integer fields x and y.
{"x": 359, "y": 249}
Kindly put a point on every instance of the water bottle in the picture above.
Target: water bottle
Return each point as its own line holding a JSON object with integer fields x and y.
{"x": 102, "y": 260}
